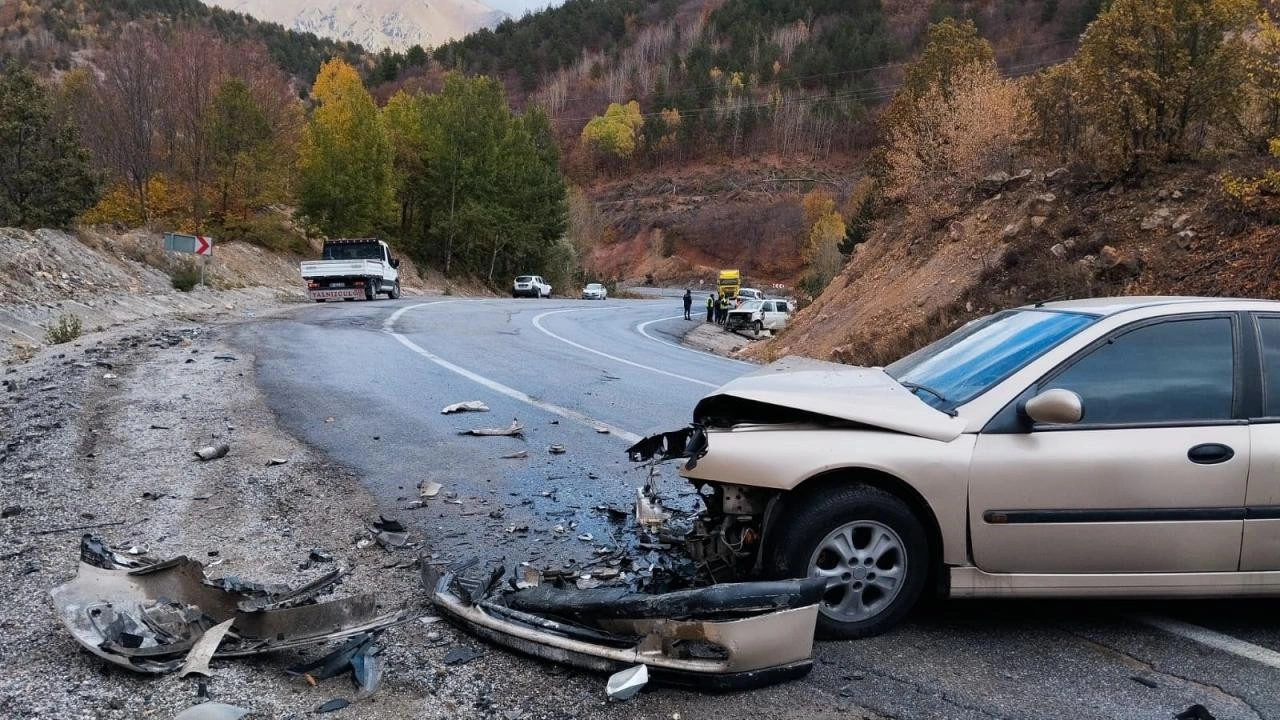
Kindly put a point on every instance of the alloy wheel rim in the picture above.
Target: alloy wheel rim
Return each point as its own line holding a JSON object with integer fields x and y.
{"x": 865, "y": 564}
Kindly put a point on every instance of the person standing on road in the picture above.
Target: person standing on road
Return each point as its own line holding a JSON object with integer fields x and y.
{"x": 724, "y": 309}
{"x": 688, "y": 303}
{"x": 711, "y": 307}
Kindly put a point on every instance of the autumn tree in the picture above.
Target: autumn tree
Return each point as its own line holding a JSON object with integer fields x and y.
{"x": 613, "y": 135}
{"x": 951, "y": 48}
{"x": 824, "y": 229}
{"x": 345, "y": 177}
{"x": 121, "y": 126}
{"x": 1152, "y": 81}
{"x": 45, "y": 175}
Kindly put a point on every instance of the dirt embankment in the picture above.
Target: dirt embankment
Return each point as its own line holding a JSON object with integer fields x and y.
{"x": 685, "y": 224}
{"x": 107, "y": 279}
{"x": 1040, "y": 235}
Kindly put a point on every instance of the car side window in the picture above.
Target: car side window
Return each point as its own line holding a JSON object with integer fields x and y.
{"x": 766, "y": 307}
{"x": 1177, "y": 370}
{"x": 782, "y": 306}
{"x": 1269, "y": 331}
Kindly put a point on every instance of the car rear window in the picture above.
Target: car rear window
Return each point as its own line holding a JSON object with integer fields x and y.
{"x": 969, "y": 361}
{"x": 525, "y": 278}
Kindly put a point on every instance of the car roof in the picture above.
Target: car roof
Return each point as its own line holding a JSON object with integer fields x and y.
{"x": 1105, "y": 306}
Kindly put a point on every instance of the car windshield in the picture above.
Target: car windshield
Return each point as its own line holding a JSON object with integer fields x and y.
{"x": 969, "y": 361}
{"x": 353, "y": 251}
{"x": 595, "y": 286}
{"x": 525, "y": 278}
{"x": 750, "y": 306}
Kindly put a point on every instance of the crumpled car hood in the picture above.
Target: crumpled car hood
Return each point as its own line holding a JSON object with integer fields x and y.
{"x": 867, "y": 396}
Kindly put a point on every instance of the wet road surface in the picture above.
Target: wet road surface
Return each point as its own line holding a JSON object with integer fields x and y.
{"x": 365, "y": 383}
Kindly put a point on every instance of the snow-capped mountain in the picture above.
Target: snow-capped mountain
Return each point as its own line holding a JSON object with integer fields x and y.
{"x": 375, "y": 24}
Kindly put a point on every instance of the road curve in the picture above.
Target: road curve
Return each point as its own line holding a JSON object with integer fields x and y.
{"x": 365, "y": 382}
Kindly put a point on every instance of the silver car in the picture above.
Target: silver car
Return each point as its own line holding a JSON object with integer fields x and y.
{"x": 1123, "y": 447}
{"x": 595, "y": 291}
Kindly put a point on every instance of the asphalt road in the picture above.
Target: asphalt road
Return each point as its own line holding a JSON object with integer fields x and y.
{"x": 365, "y": 382}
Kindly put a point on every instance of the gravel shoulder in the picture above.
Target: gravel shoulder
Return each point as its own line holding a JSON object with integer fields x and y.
{"x": 102, "y": 431}
{"x": 709, "y": 337}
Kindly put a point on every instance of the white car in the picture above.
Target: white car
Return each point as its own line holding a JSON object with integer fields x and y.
{"x": 595, "y": 291}
{"x": 530, "y": 286}
{"x": 759, "y": 315}
{"x": 748, "y": 294}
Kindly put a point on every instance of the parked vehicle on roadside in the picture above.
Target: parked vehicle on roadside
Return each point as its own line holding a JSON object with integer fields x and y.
{"x": 352, "y": 268}
{"x": 745, "y": 294}
{"x": 759, "y": 315}
{"x": 595, "y": 291}
{"x": 530, "y": 286}
{"x": 1117, "y": 447}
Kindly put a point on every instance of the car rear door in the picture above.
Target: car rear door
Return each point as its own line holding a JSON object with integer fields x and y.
{"x": 1261, "y": 550}
{"x": 1153, "y": 477}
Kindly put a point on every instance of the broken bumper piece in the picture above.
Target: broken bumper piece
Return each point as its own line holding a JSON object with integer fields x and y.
{"x": 725, "y": 637}
{"x": 148, "y": 618}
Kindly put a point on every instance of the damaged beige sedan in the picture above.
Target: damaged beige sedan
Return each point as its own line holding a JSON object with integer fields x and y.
{"x": 1121, "y": 447}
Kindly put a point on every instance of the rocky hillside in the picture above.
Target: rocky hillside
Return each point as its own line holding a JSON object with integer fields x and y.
{"x": 106, "y": 279}
{"x": 375, "y": 24}
{"x": 1039, "y": 234}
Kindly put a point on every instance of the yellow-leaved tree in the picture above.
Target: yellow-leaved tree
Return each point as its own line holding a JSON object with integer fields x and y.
{"x": 614, "y": 134}
{"x": 824, "y": 230}
{"x": 345, "y": 176}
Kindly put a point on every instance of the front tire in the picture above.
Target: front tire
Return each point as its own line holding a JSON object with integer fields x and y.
{"x": 758, "y": 327}
{"x": 395, "y": 291}
{"x": 869, "y": 545}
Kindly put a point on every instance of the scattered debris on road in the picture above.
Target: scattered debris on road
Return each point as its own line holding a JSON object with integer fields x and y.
{"x": 429, "y": 488}
{"x": 557, "y": 449}
{"x": 213, "y": 452}
{"x": 149, "y": 616}
{"x": 212, "y": 711}
{"x": 514, "y": 430}
{"x": 517, "y": 455}
{"x": 624, "y": 684}
{"x": 277, "y": 461}
{"x": 468, "y": 406}
{"x": 723, "y": 637}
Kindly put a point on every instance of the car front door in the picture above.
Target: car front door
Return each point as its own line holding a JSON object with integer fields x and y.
{"x": 1152, "y": 478}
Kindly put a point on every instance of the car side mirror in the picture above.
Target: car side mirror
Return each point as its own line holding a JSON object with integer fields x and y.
{"x": 395, "y": 262}
{"x": 1055, "y": 407}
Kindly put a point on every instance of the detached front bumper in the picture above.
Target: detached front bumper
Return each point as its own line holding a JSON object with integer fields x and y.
{"x": 725, "y": 637}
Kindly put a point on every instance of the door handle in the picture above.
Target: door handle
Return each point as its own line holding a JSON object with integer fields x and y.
{"x": 1210, "y": 454}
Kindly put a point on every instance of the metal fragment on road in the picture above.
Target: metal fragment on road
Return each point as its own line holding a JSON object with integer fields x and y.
{"x": 515, "y": 429}
{"x": 468, "y": 406}
{"x": 556, "y": 449}
{"x": 213, "y": 452}
{"x": 517, "y": 455}
{"x": 277, "y": 461}
{"x": 212, "y": 711}
{"x": 147, "y": 616}
{"x": 198, "y": 659}
{"x": 429, "y": 488}
{"x": 624, "y": 685}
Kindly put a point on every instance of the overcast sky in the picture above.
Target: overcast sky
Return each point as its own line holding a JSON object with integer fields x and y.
{"x": 516, "y": 8}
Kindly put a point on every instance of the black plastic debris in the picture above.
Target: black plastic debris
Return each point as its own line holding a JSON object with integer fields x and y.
{"x": 11, "y": 511}
{"x": 330, "y": 706}
{"x": 461, "y": 655}
{"x": 319, "y": 555}
{"x": 1195, "y": 712}
{"x": 389, "y": 533}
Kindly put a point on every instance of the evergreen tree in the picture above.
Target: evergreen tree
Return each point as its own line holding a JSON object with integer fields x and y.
{"x": 45, "y": 175}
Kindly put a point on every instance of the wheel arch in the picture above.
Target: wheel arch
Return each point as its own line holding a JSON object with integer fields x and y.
{"x": 889, "y": 483}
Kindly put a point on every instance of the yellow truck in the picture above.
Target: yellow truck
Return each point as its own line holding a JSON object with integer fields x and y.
{"x": 729, "y": 282}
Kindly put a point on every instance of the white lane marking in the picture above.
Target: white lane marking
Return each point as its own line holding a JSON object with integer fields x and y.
{"x": 388, "y": 326}
{"x": 641, "y": 329}
{"x": 1216, "y": 640}
{"x": 537, "y": 323}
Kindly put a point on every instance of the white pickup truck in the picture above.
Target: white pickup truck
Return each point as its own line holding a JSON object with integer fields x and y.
{"x": 351, "y": 269}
